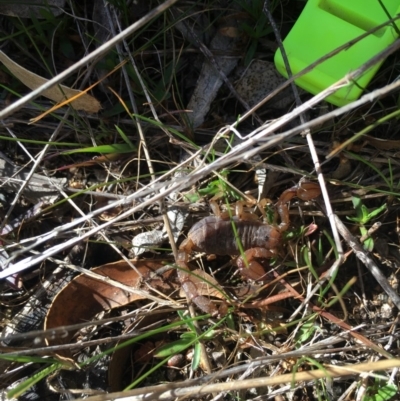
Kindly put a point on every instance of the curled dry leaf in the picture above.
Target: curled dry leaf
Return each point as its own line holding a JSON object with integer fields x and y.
{"x": 205, "y": 284}
{"x": 58, "y": 93}
{"x": 84, "y": 297}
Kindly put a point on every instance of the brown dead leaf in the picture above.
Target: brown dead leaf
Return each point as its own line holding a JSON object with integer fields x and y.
{"x": 84, "y": 297}
{"x": 57, "y": 93}
{"x": 230, "y": 31}
{"x": 203, "y": 281}
{"x": 382, "y": 144}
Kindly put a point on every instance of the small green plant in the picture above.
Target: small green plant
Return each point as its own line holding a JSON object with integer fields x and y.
{"x": 215, "y": 188}
{"x": 257, "y": 27}
{"x": 363, "y": 217}
{"x": 306, "y": 331}
{"x": 380, "y": 390}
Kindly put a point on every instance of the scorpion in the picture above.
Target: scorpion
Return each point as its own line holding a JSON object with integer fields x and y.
{"x": 215, "y": 235}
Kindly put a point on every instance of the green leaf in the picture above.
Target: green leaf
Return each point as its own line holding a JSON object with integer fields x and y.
{"x": 383, "y": 393}
{"x": 319, "y": 252}
{"x": 196, "y": 356}
{"x": 250, "y": 52}
{"x": 189, "y": 324}
{"x": 162, "y": 126}
{"x": 191, "y": 335}
{"x": 306, "y": 331}
{"x": 369, "y": 244}
{"x": 36, "y": 377}
{"x": 376, "y": 212}
{"x": 354, "y": 219}
{"x": 230, "y": 321}
{"x": 173, "y": 348}
{"x": 357, "y": 204}
{"x": 364, "y": 214}
{"x": 124, "y": 137}
{"x": 249, "y": 30}
{"x": 115, "y": 148}
{"x": 209, "y": 335}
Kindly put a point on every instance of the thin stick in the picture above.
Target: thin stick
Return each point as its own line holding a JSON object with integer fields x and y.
{"x": 328, "y": 371}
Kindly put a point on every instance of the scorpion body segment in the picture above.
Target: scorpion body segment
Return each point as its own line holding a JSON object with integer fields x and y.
{"x": 214, "y": 235}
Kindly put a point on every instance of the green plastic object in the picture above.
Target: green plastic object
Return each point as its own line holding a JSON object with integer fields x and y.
{"x": 325, "y": 25}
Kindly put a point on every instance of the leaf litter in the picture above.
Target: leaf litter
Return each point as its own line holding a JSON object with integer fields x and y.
{"x": 203, "y": 98}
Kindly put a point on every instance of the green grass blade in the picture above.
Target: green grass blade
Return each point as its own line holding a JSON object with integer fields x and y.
{"x": 115, "y": 148}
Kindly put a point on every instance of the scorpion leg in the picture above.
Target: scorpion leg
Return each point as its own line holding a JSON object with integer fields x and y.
{"x": 190, "y": 288}
{"x": 305, "y": 191}
{"x": 252, "y": 269}
{"x": 238, "y": 211}
{"x": 242, "y": 214}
